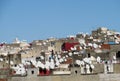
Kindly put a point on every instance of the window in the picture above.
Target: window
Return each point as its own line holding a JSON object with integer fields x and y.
{"x": 118, "y": 54}
{"x": 32, "y": 72}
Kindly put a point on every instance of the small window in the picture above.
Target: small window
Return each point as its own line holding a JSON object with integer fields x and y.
{"x": 32, "y": 72}
{"x": 76, "y": 71}
{"x": 118, "y": 54}
{"x": 89, "y": 55}
{"x": 15, "y": 65}
{"x": 16, "y": 59}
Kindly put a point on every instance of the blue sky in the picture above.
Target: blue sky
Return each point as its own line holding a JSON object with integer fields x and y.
{"x": 41, "y": 19}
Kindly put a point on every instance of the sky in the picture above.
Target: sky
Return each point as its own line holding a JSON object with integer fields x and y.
{"x": 41, "y": 19}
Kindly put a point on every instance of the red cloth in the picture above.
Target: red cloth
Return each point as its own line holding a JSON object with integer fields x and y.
{"x": 69, "y": 45}
{"x": 105, "y": 46}
{"x": 44, "y": 74}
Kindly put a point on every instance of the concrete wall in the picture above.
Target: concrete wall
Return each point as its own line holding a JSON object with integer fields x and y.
{"x": 74, "y": 76}
{"x": 116, "y": 68}
{"x": 4, "y": 74}
{"x": 99, "y": 68}
{"x": 115, "y": 76}
{"x": 59, "y": 78}
{"x": 115, "y": 48}
{"x": 100, "y": 77}
{"x": 3, "y": 79}
{"x": 109, "y": 77}
{"x": 35, "y": 72}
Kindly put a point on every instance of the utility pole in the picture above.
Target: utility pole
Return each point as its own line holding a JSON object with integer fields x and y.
{"x": 9, "y": 62}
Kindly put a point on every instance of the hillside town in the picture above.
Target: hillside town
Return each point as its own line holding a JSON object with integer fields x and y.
{"x": 84, "y": 54}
